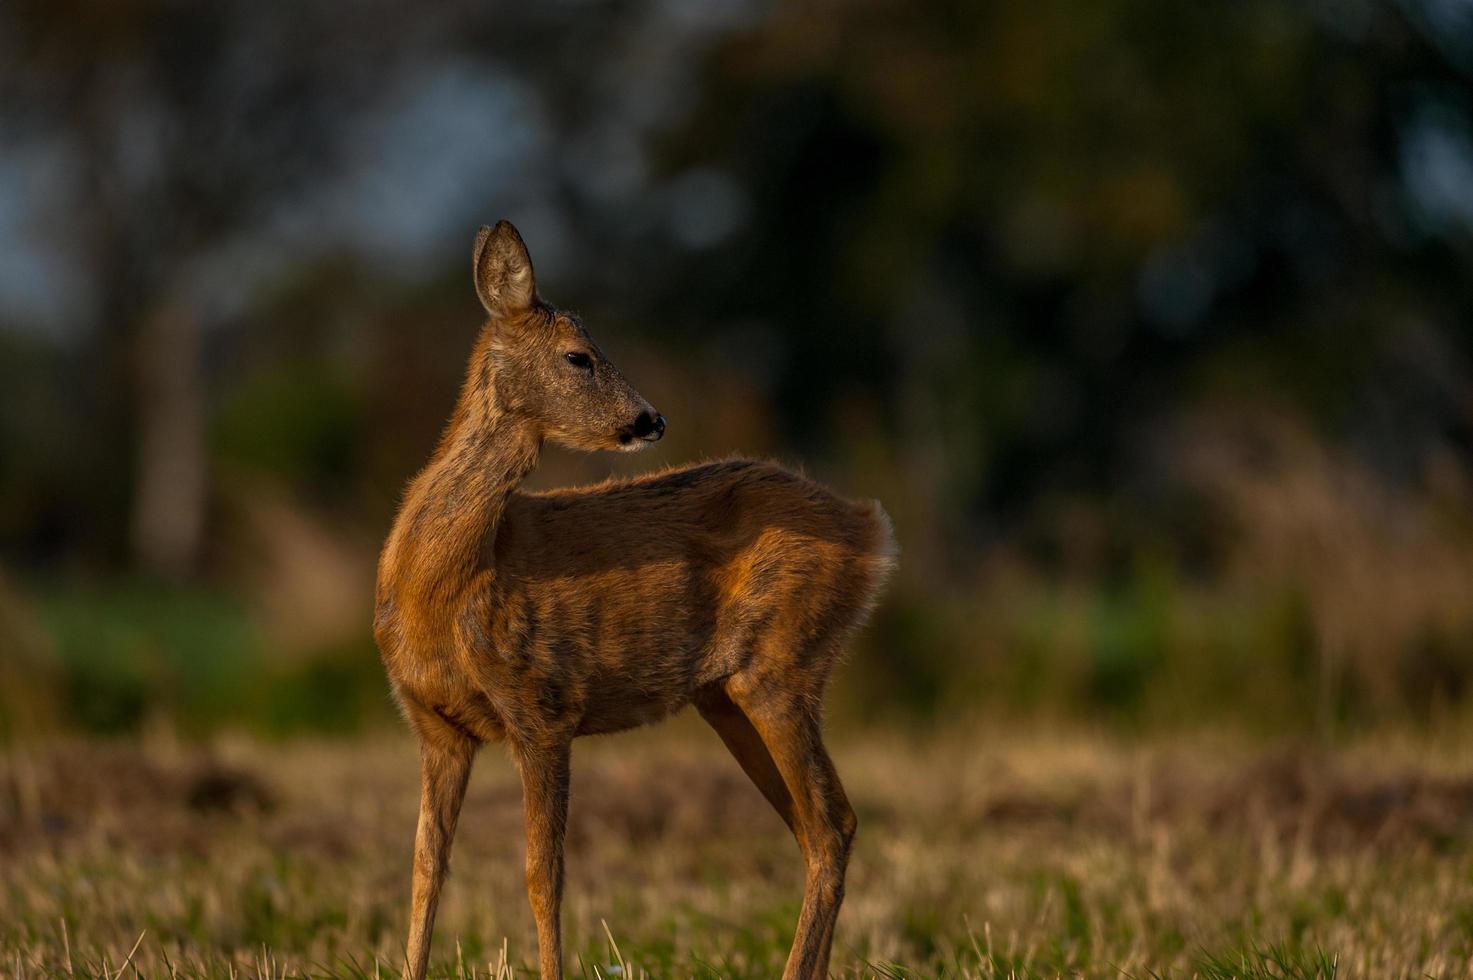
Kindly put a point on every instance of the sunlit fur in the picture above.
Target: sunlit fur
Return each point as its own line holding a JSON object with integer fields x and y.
{"x": 535, "y": 618}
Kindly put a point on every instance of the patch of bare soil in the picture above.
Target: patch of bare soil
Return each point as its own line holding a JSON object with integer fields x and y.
{"x": 70, "y": 789}
{"x": 185, "y": 798}
{"x": 1298, "y": 794}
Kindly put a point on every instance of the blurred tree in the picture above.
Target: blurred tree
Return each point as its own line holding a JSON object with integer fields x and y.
{"x": 184, "y": 127}
{"x": 991, "y": 262}
{"x": 185, "y": 139}
{"x": 1026, "y": 232}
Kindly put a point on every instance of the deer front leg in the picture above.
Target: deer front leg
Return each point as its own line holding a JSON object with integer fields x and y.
{"x": 445, "y": 767}
{"x": 545, "y": 773}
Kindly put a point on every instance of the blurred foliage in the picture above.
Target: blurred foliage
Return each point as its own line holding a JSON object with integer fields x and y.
{"x": 136, "y": 653}
{"x": 296, "y": 419}
{"x": 1148, "y": 322}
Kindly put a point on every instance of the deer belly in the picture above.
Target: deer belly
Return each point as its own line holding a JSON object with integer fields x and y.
{"x": 606, "y": 654}
{"x": 606, "y": 716}
{"x": 639, "y": 688}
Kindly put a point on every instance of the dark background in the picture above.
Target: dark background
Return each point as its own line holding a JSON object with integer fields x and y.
{"x": 1148, "y": 321}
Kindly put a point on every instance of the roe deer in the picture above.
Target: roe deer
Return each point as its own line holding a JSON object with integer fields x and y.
{"x": 535, "y": 618}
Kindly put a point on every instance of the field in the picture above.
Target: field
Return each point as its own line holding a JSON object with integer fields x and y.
{"x": 980, "y": 854}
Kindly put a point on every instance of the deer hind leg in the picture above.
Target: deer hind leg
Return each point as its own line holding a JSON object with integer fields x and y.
{"x": 445, "y": 768}
{"x": 746, "y": 746}
{"x": 545, "y": 777}
{"x": 788, "y": 725}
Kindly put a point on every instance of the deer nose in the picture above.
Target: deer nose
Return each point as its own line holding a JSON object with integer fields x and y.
{"x": 649, "y": 426}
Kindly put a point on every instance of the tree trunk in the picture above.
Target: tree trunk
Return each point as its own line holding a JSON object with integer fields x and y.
{"x": 168, "y": 512}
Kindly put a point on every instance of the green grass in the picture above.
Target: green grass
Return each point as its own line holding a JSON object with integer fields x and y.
{"x": 609, "y": 960}
{"x": 981, "y": 854}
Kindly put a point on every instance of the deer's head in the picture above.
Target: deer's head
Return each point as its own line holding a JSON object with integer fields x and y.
{"x": 546, "y": 370}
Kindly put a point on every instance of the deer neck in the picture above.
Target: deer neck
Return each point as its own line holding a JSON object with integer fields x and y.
{"x": 446, "y": 527}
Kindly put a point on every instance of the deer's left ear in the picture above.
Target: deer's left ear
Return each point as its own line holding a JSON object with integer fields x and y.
{"x": 503, "y": 271}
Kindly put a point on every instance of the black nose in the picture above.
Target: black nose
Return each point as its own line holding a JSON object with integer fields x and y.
{"x": 649, "y": 425}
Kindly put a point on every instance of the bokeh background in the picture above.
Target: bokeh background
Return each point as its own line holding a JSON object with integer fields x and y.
{"x": 1150, "y": 322}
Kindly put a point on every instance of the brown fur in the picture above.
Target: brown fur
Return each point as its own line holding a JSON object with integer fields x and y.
{"x": 535, "y": 618}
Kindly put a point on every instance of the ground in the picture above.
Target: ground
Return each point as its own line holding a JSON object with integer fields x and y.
{"x": 981, "y": 853}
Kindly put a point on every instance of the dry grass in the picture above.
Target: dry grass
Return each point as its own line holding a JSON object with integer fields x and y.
{"x": 980, "y": 854}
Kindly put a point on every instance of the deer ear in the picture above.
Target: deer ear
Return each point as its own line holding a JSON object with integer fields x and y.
{"x": 503, "y": 270}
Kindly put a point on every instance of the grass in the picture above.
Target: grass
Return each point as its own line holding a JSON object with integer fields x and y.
{"x": 981, "y": 854}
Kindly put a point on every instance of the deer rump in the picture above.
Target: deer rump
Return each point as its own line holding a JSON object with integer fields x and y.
{"x": 611, "y": 606}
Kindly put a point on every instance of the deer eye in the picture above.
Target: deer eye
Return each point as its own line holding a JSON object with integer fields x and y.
{"x": 579, "y": 360}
